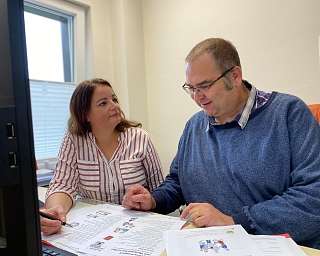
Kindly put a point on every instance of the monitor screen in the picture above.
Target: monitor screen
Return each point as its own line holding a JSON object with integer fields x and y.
{"x": 19, "y": 219}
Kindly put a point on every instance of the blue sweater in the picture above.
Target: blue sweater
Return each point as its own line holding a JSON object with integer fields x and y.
{"x": 266, "y": 176}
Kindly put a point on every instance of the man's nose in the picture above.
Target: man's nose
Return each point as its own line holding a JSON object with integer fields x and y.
{"x": 197, "y": 94}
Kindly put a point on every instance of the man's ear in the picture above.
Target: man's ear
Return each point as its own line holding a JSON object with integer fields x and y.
{"x": 236, "y": 75}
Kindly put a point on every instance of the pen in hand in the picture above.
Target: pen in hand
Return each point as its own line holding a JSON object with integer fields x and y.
{"x": 188, "y": 220}
{"x": 52, "y": 217}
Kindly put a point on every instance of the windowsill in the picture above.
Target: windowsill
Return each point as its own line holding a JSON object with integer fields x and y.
{"x": 49, "y": 163}
{"x": 44, "y": 176}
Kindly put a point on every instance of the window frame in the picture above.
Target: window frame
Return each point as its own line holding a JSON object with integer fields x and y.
{"x": 66, "y": 35}
{"x": 79, "y": 13}
{"x": 77, "y": 57}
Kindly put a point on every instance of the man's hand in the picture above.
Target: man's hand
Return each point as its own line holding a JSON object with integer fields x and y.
{"x": 205, "y": 215}
{"x": 49, "y": 227}
{"x": 139, "y": 198}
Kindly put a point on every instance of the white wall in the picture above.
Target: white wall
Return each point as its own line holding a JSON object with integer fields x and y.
{"x": 277, "y": 42}
{"x": 116, "y": 51}
{"x": 140, "y": 45}
{"x": 99, "y": 54}
{"x": 128, "y": 50}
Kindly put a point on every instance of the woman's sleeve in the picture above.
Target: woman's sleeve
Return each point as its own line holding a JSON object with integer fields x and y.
{"x": 152, "y": 166}
{"x": 66, "y": 176}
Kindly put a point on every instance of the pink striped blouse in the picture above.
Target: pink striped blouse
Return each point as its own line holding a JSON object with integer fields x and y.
{"x": 83, "y": 170}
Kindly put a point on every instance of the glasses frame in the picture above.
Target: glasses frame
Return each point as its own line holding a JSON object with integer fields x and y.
{"x": 202, "y": 88}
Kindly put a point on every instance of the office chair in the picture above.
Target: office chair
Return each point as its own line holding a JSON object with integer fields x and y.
{"x": 315, "y": 109}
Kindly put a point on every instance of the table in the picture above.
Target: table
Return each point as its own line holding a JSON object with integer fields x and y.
{"x": 307, "y": 250}
{"x": 310, "y": 251}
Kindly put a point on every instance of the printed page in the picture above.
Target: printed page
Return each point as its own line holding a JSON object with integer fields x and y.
{"x": 86, "y": 223}
{"x": 140, "y": 234}
{"x": 106, "y": 229}
{"x": 294, "y": 248}
{"x": 277, "y": 245}
{"x": 223, "y": 241}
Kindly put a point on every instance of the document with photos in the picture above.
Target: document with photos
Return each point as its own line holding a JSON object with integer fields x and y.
{"x": 225, "y": 240}
{"x": 106, "y": 229}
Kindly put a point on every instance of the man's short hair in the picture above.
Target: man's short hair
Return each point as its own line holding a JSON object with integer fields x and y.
{"x": 222, "y": 51}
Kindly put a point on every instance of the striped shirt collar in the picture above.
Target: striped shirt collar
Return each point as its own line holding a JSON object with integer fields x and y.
{"x": 255, "y": 100}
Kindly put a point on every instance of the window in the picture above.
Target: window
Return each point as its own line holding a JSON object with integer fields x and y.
{"x": 53, "y": 64}
{"x": 49, "y": 44}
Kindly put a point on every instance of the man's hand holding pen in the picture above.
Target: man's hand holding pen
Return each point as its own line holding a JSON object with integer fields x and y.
{"x": 205, "y": 215}
{"x": 53, "y": 223}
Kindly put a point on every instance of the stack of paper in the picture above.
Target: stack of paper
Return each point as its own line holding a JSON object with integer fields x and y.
{"x": 227, "y": 240}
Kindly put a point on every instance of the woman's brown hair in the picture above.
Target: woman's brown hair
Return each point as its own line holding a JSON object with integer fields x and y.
{"x": 80, "y": 105}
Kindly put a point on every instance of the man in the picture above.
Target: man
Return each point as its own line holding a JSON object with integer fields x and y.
{"x": 249, "y": 158}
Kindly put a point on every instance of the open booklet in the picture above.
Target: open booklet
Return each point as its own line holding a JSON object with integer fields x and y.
{"x": 106, "y": 229}
{"x": 227, "y": 240}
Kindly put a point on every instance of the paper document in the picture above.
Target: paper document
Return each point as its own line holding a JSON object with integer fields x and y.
{"x": 224, "y": 240}
{"x": 277, "y": 245}
{"x": 111, "y": 230}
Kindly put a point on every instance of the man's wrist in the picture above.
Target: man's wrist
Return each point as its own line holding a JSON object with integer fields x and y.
{"x": 153, "y": 203}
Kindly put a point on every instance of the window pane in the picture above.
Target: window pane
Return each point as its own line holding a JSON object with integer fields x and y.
{"x": 44, "y": 48}
{"x": 50, "y": 113}
{"x": 50, "y": 50}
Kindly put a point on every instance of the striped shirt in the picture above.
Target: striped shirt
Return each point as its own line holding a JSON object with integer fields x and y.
{"x": 82, "y": 169}
{"x": 255, "y": 101}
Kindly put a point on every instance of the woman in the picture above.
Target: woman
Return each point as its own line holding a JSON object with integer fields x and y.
{"x": 101, "y": 155}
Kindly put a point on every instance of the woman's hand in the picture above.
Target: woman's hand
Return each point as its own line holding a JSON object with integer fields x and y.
{"x": 49, "y": 227}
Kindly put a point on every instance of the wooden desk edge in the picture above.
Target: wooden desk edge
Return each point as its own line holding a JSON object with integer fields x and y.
{"x": 310, "y": 251}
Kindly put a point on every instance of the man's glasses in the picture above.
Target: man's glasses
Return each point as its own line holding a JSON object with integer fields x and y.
{"x": 203, "y": 88}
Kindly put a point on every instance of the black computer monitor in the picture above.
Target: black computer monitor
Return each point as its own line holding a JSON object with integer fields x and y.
{"x": 19, "y": 220}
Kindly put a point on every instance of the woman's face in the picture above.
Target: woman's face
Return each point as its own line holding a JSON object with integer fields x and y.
{"x": 104, "y": 112}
